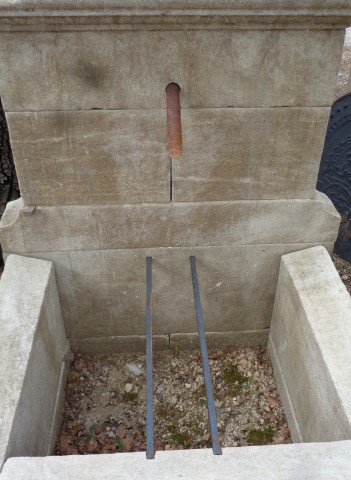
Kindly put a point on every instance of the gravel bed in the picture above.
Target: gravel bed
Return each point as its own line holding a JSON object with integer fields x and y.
{"x": 105, "y": 402}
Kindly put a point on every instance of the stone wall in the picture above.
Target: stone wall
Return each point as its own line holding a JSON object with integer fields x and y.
{"x": 32, "y": 349}
{"x": 83, "y": 87}
{"x": 309, "y": 343}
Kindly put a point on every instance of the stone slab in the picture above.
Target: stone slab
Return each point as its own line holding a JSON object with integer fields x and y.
{"x": 311, "y": 331}
{"x": 220, "y": 339}
{"x": 91, "y": 157}
{"x": 102, "y": 157}
{"x": 32, "y": 347}
{"x": 84, "y": 70}
{"x": 314, "y": 461}
{"x": 102, "y": 292}
{"x": 128, "y": 343}
{"x": 257, "y": 153}
{"x": 103, "y": 227}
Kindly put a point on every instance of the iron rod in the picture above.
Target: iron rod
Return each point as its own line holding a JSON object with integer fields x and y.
{"x": 174, "y": 122}
{"x": 150, "y": 447}
{"x": 216, "y": 447}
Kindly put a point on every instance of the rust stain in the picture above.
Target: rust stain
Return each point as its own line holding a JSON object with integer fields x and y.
{"x": 174, "y": 124}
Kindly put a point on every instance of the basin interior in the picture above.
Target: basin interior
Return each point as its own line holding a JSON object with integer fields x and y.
{"x": 105, "y": 404}
{"x": 311, "y": 364}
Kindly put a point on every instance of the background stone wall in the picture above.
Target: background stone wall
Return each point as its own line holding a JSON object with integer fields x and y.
{"x": 84, "y": 93}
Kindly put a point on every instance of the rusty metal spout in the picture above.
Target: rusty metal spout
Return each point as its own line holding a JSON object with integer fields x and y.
{"x": 174, "y": 123}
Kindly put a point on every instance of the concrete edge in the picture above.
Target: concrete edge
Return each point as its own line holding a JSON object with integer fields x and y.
{"x": 325, "y": 338}
{"x": 136, "y": 343}
{"x": 313, "y": 461}
{"x": 60, "y": 399}
{"x": 284, "y": 393}
{"x": 245, "y": 338}
{"x": 38, "y": 305}
{"x": 117, "y": 344}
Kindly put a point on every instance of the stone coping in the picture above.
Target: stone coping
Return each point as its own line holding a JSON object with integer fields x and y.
{"x": 314, "y": 461}
{"x": 266, "y": 12}
{"x": 134, "y": 7}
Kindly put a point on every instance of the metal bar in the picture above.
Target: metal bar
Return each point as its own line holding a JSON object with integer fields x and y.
{"x": 174, "y": 123}
{"x": 150, "y": 447}
{"x": 216, "y": 447}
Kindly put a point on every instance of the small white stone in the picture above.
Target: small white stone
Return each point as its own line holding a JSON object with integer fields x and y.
{"x": 128, "y": 387}
{"x": 134, "y": 369}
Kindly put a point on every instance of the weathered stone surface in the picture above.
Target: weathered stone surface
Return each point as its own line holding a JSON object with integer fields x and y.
{"x": 220, "y": 339}
{"x": 255, "y": 153}
{"x": 32, "y": 347}
{"x": 310, "y": 339}
{"x": 102, "y": 292}
{"x": 128, "y": 343}
{"x": 314, "y": 461}
{"x": 131, "y": 69}
{"x": 91, "y": 157}
{"x": 95, "y": 157}
{"x": 284, "y": 394}
{"x": 172, "y": 225}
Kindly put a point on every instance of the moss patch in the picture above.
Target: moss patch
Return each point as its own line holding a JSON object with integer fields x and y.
{"x": 129, "y": 396}
{"x": 234, "y": 379}
{"x": 260, "y": 437}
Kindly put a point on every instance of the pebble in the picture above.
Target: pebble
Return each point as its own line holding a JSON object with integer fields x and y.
{"x": 128, "y": 387}
{"x": 344, "y": 277}
{"x": 173, "y": 400}
{"x": 134, "y": 369}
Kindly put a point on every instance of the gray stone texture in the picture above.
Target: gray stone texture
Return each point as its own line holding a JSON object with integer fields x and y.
{"x": 314, "y": 461}
{"x": 84, "y": 70}
{"x": 66, "y": 228}
{"x": 254, "y": 153}
{"x": 310, "y": 344}
{"x": 104, "y": 157}
{"x": 89, "y": 137}
{"x": 126, "y": 343}
{"x": 220, "y": 339}
{"x": 137, "y": 343}
{"x": 32, "y": 347}
{"x": 91, "y": 157}
{"x": 102, "y": 292}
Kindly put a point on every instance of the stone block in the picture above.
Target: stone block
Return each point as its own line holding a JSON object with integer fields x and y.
{"x": 215, "y": 67}
{"x": 94, "y": 227}
{"x": 310, "y": 344}
{"x": 313, "y": 461}
{"x": 102, "y": 292}
{"x": 121, "y": 157}
{"x": 33, "y": 344}
{"x": 255, "y": 153}
{"x": 91, "y": 157}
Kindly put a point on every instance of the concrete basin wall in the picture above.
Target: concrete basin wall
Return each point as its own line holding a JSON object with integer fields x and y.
{"x": 309, "y": 343}
{"x": 32, "y": 349}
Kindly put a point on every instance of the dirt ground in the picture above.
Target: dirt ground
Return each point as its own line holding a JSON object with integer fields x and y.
{"x": 105, "y": 402}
